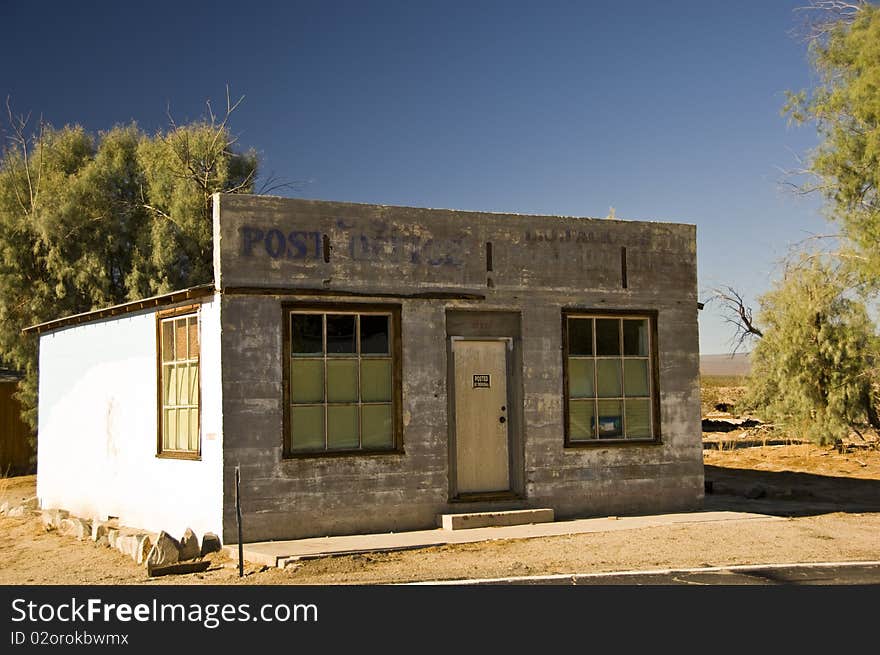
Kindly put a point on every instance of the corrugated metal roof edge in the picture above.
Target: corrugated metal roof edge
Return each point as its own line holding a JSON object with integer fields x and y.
{"x": 124, "y": 308}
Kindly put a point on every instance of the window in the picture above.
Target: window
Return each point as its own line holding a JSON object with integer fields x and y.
{"x": 609, "y": 387}
{"x": 342, "y": 381}
{"x": 179, "y": 391}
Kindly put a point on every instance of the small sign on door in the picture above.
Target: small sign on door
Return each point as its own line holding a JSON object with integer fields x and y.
{"x": 481, "y": 382}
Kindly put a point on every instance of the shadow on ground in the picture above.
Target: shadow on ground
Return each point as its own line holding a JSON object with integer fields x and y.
{"x": 786, "y": 493}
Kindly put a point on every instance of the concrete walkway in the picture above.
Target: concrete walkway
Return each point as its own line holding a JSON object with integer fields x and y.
{"x": 279, "y": 553}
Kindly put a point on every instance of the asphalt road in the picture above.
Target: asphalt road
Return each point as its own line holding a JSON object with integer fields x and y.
{"x": 833, "y": 573}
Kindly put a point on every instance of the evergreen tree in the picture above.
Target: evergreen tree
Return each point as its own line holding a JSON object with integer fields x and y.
{"x": 813, "y": 367}
{"x": 845, "y": 107}
{"x": 182, "y": 168}
{"x": 88, "y": 221}
{"x": 812, "y": 370}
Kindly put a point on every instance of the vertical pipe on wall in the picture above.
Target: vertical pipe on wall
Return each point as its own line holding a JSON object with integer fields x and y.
{"x": 238, "y": 520}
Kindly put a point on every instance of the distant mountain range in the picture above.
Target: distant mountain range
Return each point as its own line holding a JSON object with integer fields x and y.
{"x": 725, "y": 364}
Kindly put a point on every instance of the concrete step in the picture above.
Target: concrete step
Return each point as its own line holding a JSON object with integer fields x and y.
{"x": 468, "y": 520}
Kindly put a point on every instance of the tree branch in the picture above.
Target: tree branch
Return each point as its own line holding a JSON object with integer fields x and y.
{"x": 18, "y": 125}
{"x": 737, "y": 313}
{"x": 160, "y": 213}
{"x": 826, "y": 15}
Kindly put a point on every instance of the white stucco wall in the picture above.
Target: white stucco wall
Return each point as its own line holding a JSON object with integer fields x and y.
{"x": 97, "y": 428}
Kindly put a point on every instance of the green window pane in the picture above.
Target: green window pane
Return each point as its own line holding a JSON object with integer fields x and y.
{"x": 635, "y": 377}
{"x": 375, "y": 380}
{"x": 635, "y": 337}
{"x": 306, "y": 334}
{"x": 167, "y": 341}
{"x": 194, "y": 383}
{"x": 607, "y": 336}
{"x": 580, "y": 420}
{"x": 169, "y": 431}
{"x": 610, "y": 419}
{"x": 307, "y": 428}
{"x": 183, "y": 385}
{"x": 374, "y": 335}
{"x": 377, "y": 426}
{"x": 194, "y": 429}
{"x": 307, "y": 381}
{"x": 580, "y": 336}
{"x": 342, "y": 427}
{"x": 638, "y": 419}
{"x": 580, "y": 378}
{"x": 608, "y": 374}
{"x": 340, "y": 334}
{"x": 342, "y": 381}
{"x": 169, "y": 385}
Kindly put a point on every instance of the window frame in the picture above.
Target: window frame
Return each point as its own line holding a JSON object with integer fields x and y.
{"x": 653, "y": 375}
{"x": 161, "y": 316}
{"x": 395, "y": 352}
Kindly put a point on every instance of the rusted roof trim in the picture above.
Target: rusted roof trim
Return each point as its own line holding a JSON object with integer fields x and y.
{"x": 329, "y": 291}
{"x": 208, "y": 289}
{"x": 125, "y": 308}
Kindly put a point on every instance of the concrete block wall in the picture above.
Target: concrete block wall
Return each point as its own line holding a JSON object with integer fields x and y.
{"x": 270, "y": 251}
{"x": 318, "y": 496}
{"x": 613, "y": 478}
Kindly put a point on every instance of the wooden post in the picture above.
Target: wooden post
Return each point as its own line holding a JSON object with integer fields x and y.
{"x": 238, "y": 520}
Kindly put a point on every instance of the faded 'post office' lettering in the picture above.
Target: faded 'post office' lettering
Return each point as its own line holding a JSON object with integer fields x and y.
{"x": 274, "y": 243}
{"x": 392, "y": 247}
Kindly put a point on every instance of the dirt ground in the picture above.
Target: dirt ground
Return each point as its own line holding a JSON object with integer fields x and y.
{"x": 831, "y": 501}
{"x": 829, "y": 498}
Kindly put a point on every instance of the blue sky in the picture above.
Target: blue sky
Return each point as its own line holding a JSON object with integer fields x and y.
{"x": 663, "y": 110}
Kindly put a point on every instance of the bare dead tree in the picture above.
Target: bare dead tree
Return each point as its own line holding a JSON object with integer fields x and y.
{"x": 821, "y": 17}
{"x": 274, "y": 183}
{"x": 20, "y": 142}
{"x": 200, "y": 164}
{"x": 200, "y": 170}
{"x": 735, "y": 311}
{"x": 801, "y": 180}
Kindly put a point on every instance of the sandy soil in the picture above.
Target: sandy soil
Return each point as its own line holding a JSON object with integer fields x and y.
{"x": 857, "y": 463}
{"x": 830, "y": 501}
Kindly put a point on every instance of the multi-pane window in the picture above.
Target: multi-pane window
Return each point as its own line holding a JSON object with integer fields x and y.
{"x": 609, "y": 390}
{"x": 341, "y": 381}
{"x": 179, "y": 384}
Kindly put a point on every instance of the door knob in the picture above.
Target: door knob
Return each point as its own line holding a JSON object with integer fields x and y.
{"x": 502, "y": 419}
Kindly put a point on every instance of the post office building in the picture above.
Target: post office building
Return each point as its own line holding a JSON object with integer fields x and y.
{"x": 368, "y": 368}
